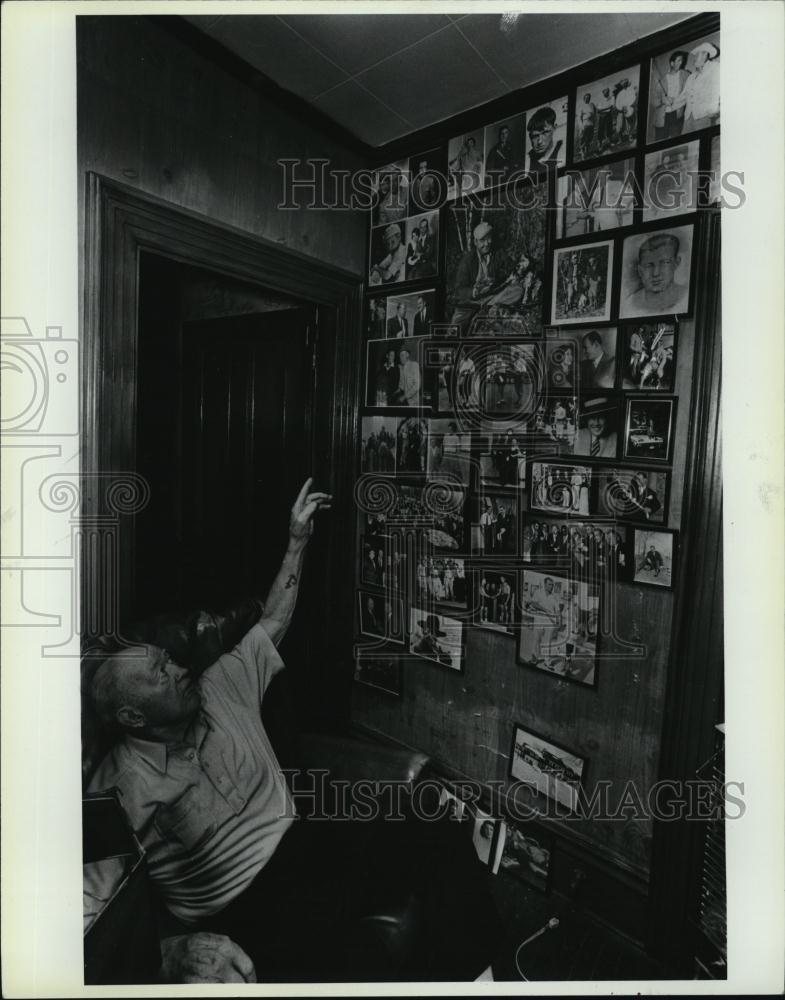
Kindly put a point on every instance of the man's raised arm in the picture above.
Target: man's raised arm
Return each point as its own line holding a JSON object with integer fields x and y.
{"x": 281, "y": 601}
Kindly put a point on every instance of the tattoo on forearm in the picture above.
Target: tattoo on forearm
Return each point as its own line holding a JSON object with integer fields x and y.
{"x": 291, "y": 581}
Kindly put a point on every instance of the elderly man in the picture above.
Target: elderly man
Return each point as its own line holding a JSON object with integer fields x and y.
{"x": 480, "y": 272}
{"x": 266, "y": 893}
{"x": 544, "y": 150}
{"x": 700, "y": 97}
{"x": 393, "y": 266}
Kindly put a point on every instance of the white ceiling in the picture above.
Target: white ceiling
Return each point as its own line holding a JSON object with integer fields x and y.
{"x": 382, "y": 76}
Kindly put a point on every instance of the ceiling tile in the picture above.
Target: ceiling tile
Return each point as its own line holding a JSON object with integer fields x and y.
{"x": 439, "y": 76}
{"x": 357, "y": 41}
{"x": 361, "y": 113}
{"x": 270, "y": 46}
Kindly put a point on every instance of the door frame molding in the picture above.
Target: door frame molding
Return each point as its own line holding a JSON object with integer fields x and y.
{"x": 120, "y": 223}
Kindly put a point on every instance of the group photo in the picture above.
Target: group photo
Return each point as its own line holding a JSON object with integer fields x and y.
{"x": 606, "y": 115}
{"x": 588, "y": 550}
{"x": 582, "y": 278}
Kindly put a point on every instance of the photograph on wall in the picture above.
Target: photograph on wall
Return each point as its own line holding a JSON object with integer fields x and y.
{"x": 549, "y": 768}
{"x": 444, "y": 516}
{"x": 598, "y": 428}
{"x": 633, "y": 494}
{"x": 555, "y": 423}
{"x": 495, "y": 531}
{"x": 582, "y": 279}
{"x": 559, "y": 623}
{"x": 388, "y": 254}
{"x": 426, "y": 184}
{"x": 606, "y": 115}
{"x": 465, "y": 164}
{"x": 715, "y": 166}
{"x": 436, "y": 638}
{"x": 597, "y": 199}
{"x": 381, "y": 617}
{"x": 495, "y": 599}
{"x": 442, "y": 364}
{"x": 373, "y": 560}
{"x": 503, "y": 150}
{"x": 655, "y": 273}
{"x": 648, "y": 356}
{"x": 648, "y": 428}
{"x": 376, "y": 322}
{"x": 412, "y": 447}
{"x": 379, "y": 444}
{"x": 409, "y": 315}
{"x": 597, "y": 347}
{"x": 670, "y": 181}
{"x": 562, "y": 358}
{"x": 655, "y": 553}
{"x": 684, "y": 89}
{"x": 393, "y": 373}
{"x": 391, "y": 194}
{"x": 494, "y": 262}
{"x": 381, "y": 672}
{"x": 452, "y": 806}
{"x": 441, "y": 579}
{"x": 510, "y": 379}
{"x": 546, "y": 136}
{"x": 449, "y": 452}
{"x": 422, "y": 246}
{"x": 584, "y": 550}
{"x": 502, "y": 456}
{"x": 392, "y": 507}
{"x": 485, "y": 830}
{"x": 561, "y": 489}
{"x": 525, "y": 853}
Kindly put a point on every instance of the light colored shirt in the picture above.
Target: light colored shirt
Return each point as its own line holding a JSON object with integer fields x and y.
{"x": 209, "y": 812}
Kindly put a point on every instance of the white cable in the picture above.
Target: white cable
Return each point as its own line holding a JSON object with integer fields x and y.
{"x": 552, "y": 924}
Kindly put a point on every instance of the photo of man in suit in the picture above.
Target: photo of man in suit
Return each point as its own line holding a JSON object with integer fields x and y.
{"x": 398, "y": 325}
{"x": 597, "y": 436}
{"x": 409, "y": 380}
{"x": 422, "y": 318}
{"x": 481, "y": 271}
{"x": 598, "y": 368}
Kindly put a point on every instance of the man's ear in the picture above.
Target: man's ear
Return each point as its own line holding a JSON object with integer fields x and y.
{"x": 130, "y": 718}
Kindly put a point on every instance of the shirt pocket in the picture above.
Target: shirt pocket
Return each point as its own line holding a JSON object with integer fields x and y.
{"x": 187, "y": 822}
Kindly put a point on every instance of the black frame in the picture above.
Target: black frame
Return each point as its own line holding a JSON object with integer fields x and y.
{"x": 518, "y": 727}
{"x": 384, "y": 596}
{"x": 566, "y": 248}
{"x": 687, "y": 220}
{"x": 654, "y": 401}
{"x": 428, "y": 659}
{"x": 674, "y": 558}
{"x": 567, "y": 566}
{"x": 593, "y": 83}
{"x": 626, "y": 329}
{"x": 665, "y": 503}
{"x": 511, "y": 627}
{"x": 571, "y": 464}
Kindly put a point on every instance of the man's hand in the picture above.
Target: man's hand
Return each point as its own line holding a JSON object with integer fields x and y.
{"x": 305, "y": 506}
{"x": 204, "y": 958}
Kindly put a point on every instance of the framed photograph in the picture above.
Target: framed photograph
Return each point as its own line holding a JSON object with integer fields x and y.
{"x": 444, "y": 517}
{"x": 394, "y": 507}
{"x": 597, "y": 435}
{"x": 441, "y": 580}
{"x": 511, "y": 379}
{"x": 655, "y": 557}
{"x": 391, "y": 194}
{"x": 684, "y": 89}
{"x": 373, "y": 560}
{"x": 597, "y": 199}
{"x": 495, "y": 600}
{"x": 582, "y": 279}
{"x": 559, "y": 626}
{"x": 597, "y": 358}
{"x": 606, "y": 115}
{"x": 436, "y": 638}
{"x": 503, "y": 150}
{"x": 495, "y": 533}
{"x": 648, "y": 356}
{"x": 485, "y": 832}
{"x": 379, "y": 444}
{"x": 376, "y": 322}
{"x": 655, "y": 274}
{"x": 426, "y": 188}
{"x": 555, "y": 423}
{"x": 715, "y": 167}
{"x": 648, "y": 428}
{"x": 412, "y": 446}
{"x": 381, "y": 617}
{"x": 634, "y": 494}
{"x": 494, "y": 261}
{"x": 562, "y": 357}
{"x": 388, "y": 254}
{"x": 670, "y": 181}
{"x": 449, "y": 452}
{"x": 558, "y": 488}
{"x": 582, "y": 550}
{"x": 422, "y": 246}
{"x": 525, "y": 852}
{"x": 548, "y": 767}
{"x": 465, "y": 158}
{"x": 393, "y": 373}
{"x": 409, "y": 315}
{"x": 384, "y": 673}
{"x": 502, "y": 456}
{"x": 546, "y": 136}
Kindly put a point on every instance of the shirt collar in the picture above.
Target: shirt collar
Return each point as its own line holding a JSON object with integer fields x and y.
{"x": 156, "y": 753}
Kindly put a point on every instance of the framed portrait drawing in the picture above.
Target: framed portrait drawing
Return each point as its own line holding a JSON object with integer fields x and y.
{"x": 436, "y": 638}
{"x": 606, "y": 115}
{"x": 670, "y": 181}
{"x": 496, "y": 599}
{"x": 559, "y": 625}
{"x": 648, "y": 428}
{"x": 384, "y": 673}
{"x": 684, "y": 89}
{"x": 655, "y": 557}
{"x": 546, "y": 136}
{"x": 596, "y": 199}
{"x": 551, "y": 769}
{"x": 656, "y": 273}
{"x": 633, "y": 494}
{"x": 582, "y": 279}
{"x": 648, "y": 356}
